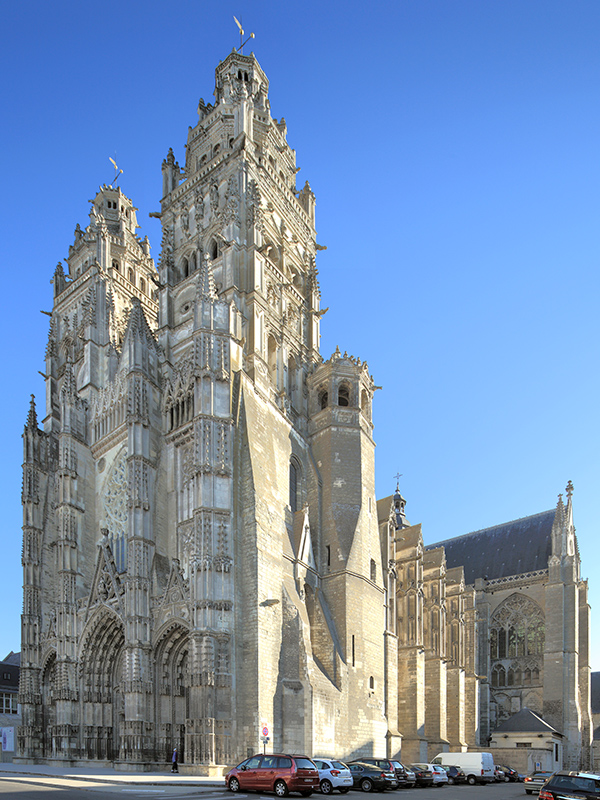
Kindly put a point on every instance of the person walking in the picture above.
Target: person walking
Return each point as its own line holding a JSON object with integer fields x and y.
{"x": 174, "y": 767}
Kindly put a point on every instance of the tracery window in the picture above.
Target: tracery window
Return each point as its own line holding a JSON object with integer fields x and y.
{"x": 517, "y": 629}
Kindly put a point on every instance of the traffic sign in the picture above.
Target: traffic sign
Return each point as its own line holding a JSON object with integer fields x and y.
{"x": 265, "y": 731}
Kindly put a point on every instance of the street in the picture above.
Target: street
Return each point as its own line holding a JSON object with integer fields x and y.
{"x": 40, "y": 788}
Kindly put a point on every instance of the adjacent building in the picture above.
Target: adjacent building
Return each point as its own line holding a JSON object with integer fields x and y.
{"x": 490, "y": 624}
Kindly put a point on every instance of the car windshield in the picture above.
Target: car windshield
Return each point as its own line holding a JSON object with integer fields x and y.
{"x": 397, "y": 765}
{"x": 304, "y": 763}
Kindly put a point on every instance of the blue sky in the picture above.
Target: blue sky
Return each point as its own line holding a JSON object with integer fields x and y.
{"x": 453, "y": 149}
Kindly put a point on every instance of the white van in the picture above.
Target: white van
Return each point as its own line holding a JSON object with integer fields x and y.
{"x": 478, "y": 767}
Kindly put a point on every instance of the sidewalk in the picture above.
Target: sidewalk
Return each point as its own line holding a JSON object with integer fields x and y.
{"x": 107, "y": 775}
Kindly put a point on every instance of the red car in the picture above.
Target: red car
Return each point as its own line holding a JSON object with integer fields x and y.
{"x": 279, "y": 773}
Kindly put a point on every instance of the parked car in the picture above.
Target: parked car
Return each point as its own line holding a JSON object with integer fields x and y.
{"x": 423, "y": 776}
{"x": 279, "y": 773}
{"x": 455, "y": 774}
{"x": 438, "y": 773}
{"x": 499, "y": 774}
{"x": 535, "y": 780}
{"x": 333, "y": 775}
{"x": 370, "y": 778}
{"x": 570, "y": 784}
{"x": 389, "y": 765}
{"x": 411, "y": 778}
{"x": 511, "y": 774}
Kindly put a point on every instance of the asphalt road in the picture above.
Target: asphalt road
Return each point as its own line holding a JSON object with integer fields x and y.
{"x": 37, "y": 788}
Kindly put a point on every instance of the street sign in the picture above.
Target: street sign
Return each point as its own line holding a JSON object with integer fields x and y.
{"x": 265, "y": 731}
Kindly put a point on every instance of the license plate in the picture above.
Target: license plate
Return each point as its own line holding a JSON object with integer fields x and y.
{"x": 308, "y": 780}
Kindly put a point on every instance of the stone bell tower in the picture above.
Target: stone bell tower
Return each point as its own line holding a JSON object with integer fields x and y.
{"x": 207, "y": 559}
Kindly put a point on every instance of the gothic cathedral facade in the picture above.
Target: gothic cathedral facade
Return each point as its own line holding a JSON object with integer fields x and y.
{"x": 201, "y": 546}
{"x": 203, "y": 555}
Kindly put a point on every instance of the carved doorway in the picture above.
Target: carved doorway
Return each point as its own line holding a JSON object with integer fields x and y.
{"x": 171, "y": 699}
{"x": 48, "y": 707}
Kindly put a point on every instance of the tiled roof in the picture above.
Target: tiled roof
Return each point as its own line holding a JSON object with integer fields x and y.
{"x": 523, "y": 545}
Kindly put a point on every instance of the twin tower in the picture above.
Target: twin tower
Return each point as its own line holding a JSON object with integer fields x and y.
{"x": 201, "y": 549}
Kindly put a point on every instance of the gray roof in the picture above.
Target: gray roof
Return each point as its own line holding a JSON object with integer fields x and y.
{"x": 525, "y": 721}
{"x": 523, "y": 545}
{"x": 595, "y": 691}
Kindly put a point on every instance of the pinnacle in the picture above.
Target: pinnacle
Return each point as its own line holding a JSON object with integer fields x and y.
{"x": 206, "y": 280}
{"x": 32, "y": 415}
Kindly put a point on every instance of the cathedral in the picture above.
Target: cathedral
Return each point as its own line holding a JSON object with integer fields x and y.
{"x": 205, "y": 564}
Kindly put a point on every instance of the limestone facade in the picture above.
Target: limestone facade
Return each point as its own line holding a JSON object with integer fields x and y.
{"x": 490, "y": 624}
{"x": 201, "y": 547}
{"x": 203, "y": 555}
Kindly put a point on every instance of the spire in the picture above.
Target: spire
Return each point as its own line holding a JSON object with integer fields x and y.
{"x": 399, "y": 506}
{"x": 137, "y": 324}
{"x": 69, "y": 388}
{"x": 32, "y": 415}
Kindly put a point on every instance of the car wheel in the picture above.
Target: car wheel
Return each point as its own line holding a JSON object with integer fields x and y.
{"x": 471, "y": 780}
{"x": 366, "y": 785}
{"x": 234, "y": 785}
{"x": 281, "y": 789}
{"x": 326, "y": 786}
{"x": 506, "y": 779}
{"x": 451, "y": 781}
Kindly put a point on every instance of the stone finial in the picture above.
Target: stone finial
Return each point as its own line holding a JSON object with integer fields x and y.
{"x": 569, "y": 490}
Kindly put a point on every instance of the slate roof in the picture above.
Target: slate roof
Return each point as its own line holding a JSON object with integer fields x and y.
{"x": 523, "y": 545}
{"x": 595, "y": 692}
{"x": 525, "y": 721}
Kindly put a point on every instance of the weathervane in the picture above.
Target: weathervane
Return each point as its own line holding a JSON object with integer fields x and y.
{"x": 242, "y": 42}
{"x": 117, "y": 171}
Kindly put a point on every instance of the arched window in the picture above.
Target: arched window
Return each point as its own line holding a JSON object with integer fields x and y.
{"x": 131, "y": 276}
{"x": 373, "y": 570}
{"x": 216, "y": 149}
{"x": 323, "y": 400}
{"x": 372, "y": 683}
{"x": 502, "y": 643}
{"x": 272, "y": 358}
{"x": 343, "y": 395}
{"x": 185, "y": 268}
{"x": 213, "y": 249}
{"x": 115, "y": 264}
{"x": 518, "y": 676}
{"x": 493, "y": 644}
{"x": 498, "y": 676}
{"x": 143, "y": 285}
{"x": 294, "y": 475}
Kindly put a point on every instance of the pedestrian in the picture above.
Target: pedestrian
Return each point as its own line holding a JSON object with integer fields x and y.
{"x": 174, "y": 768}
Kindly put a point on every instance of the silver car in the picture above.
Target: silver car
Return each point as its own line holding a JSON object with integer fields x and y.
{"x": 333, "y": 774}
